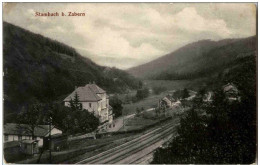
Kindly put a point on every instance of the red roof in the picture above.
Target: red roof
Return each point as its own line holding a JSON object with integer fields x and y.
{"x": 86, "y": 93}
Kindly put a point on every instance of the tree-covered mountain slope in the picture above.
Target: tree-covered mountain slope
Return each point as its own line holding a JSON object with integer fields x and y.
{"x": 39, "y": 69}
{"x": 197, "y": 59}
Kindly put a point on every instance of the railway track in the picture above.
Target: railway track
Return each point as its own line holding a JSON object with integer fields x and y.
{"x": 125, "y": 150}
{"x": 143, "y": 160}
{"x": 147, "y": 156}
{"x": 125, "y": 158}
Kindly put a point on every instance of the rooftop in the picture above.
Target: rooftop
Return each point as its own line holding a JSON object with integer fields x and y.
{"x": 230, "y": 87}
{"x": 87, "y": 93}
{"x": 23, "y": 129}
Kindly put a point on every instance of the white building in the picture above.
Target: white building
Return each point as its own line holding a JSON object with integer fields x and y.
{"x": 93, "y": 99}
{"x": 16, "y": 132}
{"x": 231, "y": 92}
{"x": 171, "y": 101}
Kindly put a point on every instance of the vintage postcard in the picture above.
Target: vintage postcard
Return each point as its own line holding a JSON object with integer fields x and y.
{"x": 129, "y": 83}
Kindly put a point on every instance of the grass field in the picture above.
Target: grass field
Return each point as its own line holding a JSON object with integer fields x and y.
{"x": 176, "y": 84}
{"x": 149, "y": 118}
{"x": 146, "y": 103}
{"x": 152, "y": 100}
{"x": 142, "y": 120}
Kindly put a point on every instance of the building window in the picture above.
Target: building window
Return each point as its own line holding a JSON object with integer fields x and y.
{"x": 90, "y": 105}
{"x": 19, "y": 138}
{"x": 6, "y": 137}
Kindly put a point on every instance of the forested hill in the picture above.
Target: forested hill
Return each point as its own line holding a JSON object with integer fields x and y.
{"x": 198, "y": 59}
{"x": 39, "y": 69}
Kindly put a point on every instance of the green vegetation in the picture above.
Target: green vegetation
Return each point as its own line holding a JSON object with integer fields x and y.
{"x": 221, "y": 132}
{"x": 38, "y": 69}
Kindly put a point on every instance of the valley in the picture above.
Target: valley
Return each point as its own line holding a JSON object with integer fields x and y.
{"x": 172, "y": 107}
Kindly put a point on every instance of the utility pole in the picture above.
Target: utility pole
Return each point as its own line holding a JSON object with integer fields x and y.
{"x": 124, "y": 123}
{"x": 50, "y": 122}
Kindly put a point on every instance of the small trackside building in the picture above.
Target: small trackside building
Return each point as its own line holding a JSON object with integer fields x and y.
{"x": 20, "y": 132}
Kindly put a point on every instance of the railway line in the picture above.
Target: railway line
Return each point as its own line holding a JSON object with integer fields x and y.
{"x": 126, "y": 153}
{"x": 144, "y": 159}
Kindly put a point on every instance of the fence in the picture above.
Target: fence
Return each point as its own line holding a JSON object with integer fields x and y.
{"x": 84, "y": 136}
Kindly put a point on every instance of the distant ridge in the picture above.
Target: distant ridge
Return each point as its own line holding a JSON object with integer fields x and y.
{"x": 196, "y": 59}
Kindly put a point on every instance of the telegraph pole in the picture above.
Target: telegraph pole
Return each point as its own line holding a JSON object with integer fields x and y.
{"x": 50, "y": 122}
{"x": 124, "y": 123}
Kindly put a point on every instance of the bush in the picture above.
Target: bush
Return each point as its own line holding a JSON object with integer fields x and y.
{"x": 159, "y": 90}
{"x": 116, "y": 104}
{"x": 142, "y": 93}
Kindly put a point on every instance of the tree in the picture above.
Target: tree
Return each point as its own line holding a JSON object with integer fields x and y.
{"x": 225, "y": 135}
{"x": 186, "y": 145}
{"x": 185, "y": 93}
{"x": 61, "y": 116}
{"x": 32, "y": 116}
{"x": 73, "y": 122}
{"x": 222, "y": 132}
{"x": 79, "y": 120}
{"x": 138, "y": 111}
{"x": 85, "y": 121}
{"x": 186, "y": 103}
{"x": 75, "y": 104}
{"x": 163, "y": 110}
{"x": 140, "y": 84}
{"x": 142, "y": 93}
{"x": 157, "y": 111}
{"x": 128, "y": 98}
{"x": 73, "y": 119}
{"x": 116, "y": 104}
{"x": 202, "y": 92}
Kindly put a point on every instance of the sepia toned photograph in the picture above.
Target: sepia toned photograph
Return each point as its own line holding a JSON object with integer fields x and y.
{"x": 129, "y": 83}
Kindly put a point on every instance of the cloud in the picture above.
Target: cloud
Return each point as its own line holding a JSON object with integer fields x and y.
{"x": 140, "y": 31}
{"x": 188, "y": 19}
{"x": 112, "y": 44}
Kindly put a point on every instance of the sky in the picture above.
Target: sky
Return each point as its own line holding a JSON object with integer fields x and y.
{"x": 129, "y": 34}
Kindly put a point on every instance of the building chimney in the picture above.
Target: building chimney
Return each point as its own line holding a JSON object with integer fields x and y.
{"x": 75, "y": 87}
